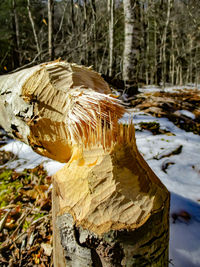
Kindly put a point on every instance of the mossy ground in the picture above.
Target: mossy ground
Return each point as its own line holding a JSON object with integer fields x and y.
{"x": 25, "y": 218}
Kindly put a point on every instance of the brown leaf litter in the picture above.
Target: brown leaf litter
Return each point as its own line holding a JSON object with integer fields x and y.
{"x": 167, "y": 104}
{"x": 25, "y": 218}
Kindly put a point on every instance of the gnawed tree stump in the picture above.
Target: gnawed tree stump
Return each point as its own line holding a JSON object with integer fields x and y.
{"x": 109, "y": 208}
{"x": 113, "y": 210}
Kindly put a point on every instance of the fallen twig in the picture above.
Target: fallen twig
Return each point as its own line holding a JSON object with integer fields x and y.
{"x": 3, "y": 221}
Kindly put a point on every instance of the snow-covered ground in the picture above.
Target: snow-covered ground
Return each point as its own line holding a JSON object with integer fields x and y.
{"x": 28, "y": 159}
{"x": 179, "y": 172}
{"x": 182, "y": 178}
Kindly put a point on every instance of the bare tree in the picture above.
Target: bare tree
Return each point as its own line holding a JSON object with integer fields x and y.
{"x": 85, "y": 29}
{"x": 94, "y": 16}
{"x": 172, "y": 55}
{"x": 164, "y": 43}
{"x": 111, "y": 5}
{"x": 131, "y": 45}
{"x": 16, "y": 30}
{"x": 72, "y": 15}
{"x": 51, "y": 28}
{"x": 33, "y": 28}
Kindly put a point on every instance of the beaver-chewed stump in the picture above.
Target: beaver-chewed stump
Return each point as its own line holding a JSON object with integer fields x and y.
{"x": 109, "y": 208}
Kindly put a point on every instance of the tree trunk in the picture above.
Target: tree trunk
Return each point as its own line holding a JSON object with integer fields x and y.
{"x": 51, "y": 28}
{"x": 93, "y": 6}
{"x": 172, "y": 55}
{"x": 111, "y": 4}
{"x": 16, "y": 32}
{"x": 60, "y": 29}
{"x": 181, "y": 75}
{"x": 164, "y": 44}
{"x": 33, "y": 28}
{"x": 108, "y": 206}
{"x": 131, "y": 45}
{"x": 196, "y": 66}
{"x": 103, "y": 57}
{"x": 146, "y": 43}
{"x": 155, "y": 52}
{"x": 178, "y": 74}
{"x": 191, "y": 60}
{"x": 151, "y": 56}
{"x": 147, "y": 55}
{"x": 85, "y": 29}
{"x": 72, "y": 15}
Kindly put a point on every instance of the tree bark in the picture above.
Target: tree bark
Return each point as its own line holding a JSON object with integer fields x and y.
{"x": 85, "y": 29}
{"x": 51, "y": 28}
{"x": 108, "y": 206}
{"x": 190, "y": 60}
{"x": 147, "y": 32}
{"x": 164, "y": 43}
{"x": 155, "y": 52}
{"x": 111, "y": 4}
{"x": 33, "y": 28}
{"x": 72, "y": 15}
{"x": 94, "y": 16}
{"x": 61, "y": 21}
{"x": 196, "y": 66}
{"x": 131, "y": 45}
{"x": 17, "y": 35}
{"x": 172, "y": 55}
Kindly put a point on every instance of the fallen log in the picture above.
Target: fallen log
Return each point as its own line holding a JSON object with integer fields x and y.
{"x": 109, "y": 208}
{"x": 34, "y": 101}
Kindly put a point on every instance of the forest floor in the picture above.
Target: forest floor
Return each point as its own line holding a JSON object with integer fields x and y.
{"x": 168, "y": 136}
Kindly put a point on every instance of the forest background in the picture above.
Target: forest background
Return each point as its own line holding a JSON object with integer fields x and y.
{"x": 165, "y": 44}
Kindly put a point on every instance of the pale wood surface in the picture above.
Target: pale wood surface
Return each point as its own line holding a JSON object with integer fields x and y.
{"x": 109, "y": 190}
{"x": 115, "y": 206}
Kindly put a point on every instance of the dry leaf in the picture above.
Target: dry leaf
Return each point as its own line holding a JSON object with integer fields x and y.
{"x": 47, "y": 248}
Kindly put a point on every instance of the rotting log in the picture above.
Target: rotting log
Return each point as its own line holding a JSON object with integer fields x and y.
{"x": 108, "y": 206}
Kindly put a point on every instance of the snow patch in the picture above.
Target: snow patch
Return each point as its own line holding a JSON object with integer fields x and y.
{"x": 187, "y": 114}
{"x": 170, "y": 89}
{"x": 28, "y": 159}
